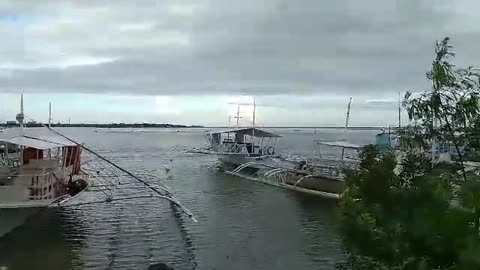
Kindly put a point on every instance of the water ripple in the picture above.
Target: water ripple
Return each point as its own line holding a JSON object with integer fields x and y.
{"x": 242, "y": 225}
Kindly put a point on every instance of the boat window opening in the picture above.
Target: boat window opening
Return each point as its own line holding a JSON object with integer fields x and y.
{"x": 216, "y": 138}
{"x": 336, "y": 152}
{"x": 239, "y": 137}
{"x": 30, "y": 153}
{"x": 249, "y": 142}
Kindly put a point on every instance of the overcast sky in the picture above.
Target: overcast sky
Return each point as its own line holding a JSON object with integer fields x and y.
{"x": 186, "y": 61}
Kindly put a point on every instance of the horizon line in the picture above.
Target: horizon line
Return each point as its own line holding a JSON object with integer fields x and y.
{"x": 168, "y": 125}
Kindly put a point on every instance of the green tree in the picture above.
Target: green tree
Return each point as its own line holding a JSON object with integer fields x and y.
{"x": 448, "y": 112}
{"x": 409, "y": 215}
{"x": 400, "y": 210}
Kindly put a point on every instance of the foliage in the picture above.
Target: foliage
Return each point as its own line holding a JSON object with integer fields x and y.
{"x": 400, "y": 210}
{"x": 409, "y": 215}
{"x": 449, "y": 112}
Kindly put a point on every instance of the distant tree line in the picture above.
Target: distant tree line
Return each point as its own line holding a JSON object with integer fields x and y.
{"x": 112, "y": 125}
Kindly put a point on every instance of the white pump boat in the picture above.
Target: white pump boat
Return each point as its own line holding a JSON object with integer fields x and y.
{"x": 238, "y": 146}
{"x": 235, "y": 147}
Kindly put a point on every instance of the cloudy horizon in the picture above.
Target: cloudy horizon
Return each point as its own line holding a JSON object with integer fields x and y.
{"x": 188, "y": 62}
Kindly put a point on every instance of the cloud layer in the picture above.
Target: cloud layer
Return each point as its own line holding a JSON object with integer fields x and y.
{"x": 185, "y": 61}
{"x": 249, "y": 47}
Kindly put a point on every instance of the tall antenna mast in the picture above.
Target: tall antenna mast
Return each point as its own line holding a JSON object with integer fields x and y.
{"x": 20, "y": 117}
{"x": 348, "y": 115}
{"x": 49, "y": 114}
{"x": 21, "y": 103}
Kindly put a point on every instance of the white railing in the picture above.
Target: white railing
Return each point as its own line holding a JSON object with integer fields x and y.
{"x": 242, "y": 148}
{"x": 234, "y": 148}
{"x": 32, "y": 187}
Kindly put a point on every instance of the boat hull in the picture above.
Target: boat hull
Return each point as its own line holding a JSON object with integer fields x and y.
{"x": 319, "y": 183}
{"x": 237, "y": 160}
{"x": 11, "y": 218}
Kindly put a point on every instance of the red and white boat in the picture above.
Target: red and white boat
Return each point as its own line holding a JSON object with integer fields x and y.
{"x": 38, "y": 169}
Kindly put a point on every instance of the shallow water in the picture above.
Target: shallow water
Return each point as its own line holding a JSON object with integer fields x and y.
{"x": 241, "y": 224}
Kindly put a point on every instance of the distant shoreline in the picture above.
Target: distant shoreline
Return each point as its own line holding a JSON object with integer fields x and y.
{"x": 114, "y": 125}
{"x": 309, "y": 127}
{"x": 148, "y": 125}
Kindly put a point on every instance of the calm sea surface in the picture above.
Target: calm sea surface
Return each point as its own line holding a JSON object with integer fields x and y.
{"x": 241, "y": 224}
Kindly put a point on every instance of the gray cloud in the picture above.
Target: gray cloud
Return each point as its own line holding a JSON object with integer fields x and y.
{"x": 251, "y": 47}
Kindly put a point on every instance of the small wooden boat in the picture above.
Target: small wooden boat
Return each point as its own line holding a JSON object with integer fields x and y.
{"x": 321, "y": 175}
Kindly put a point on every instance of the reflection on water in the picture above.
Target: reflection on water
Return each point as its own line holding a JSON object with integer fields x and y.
{"x": 242, "y": 225}
{"x": 43, "y": 242}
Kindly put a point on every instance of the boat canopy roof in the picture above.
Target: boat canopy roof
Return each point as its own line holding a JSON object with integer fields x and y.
{"x": 255, "y": 132}
{"x": 38, "y": 138}
{"x": 343, "y": 144}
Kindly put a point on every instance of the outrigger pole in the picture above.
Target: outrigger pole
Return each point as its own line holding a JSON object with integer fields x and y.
{"x": 168, "y": 195}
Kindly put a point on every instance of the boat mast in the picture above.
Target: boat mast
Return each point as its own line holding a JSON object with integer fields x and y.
{"x": 238, "y": 114}
{"x": 399, "y": 111}
{"x": 229, "y": 125}
{"x": 254, "y": 108}
{"x": 348, "y": 116}
{"x": 49, "y": 114}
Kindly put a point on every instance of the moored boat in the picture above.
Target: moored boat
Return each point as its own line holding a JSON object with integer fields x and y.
{"x": 41, "y": 168}
{"x": 239, "y": 146}
{"x": 320, "y": 175}
{"x": 38, "y": 168}
{"x": 324, "y": 172}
